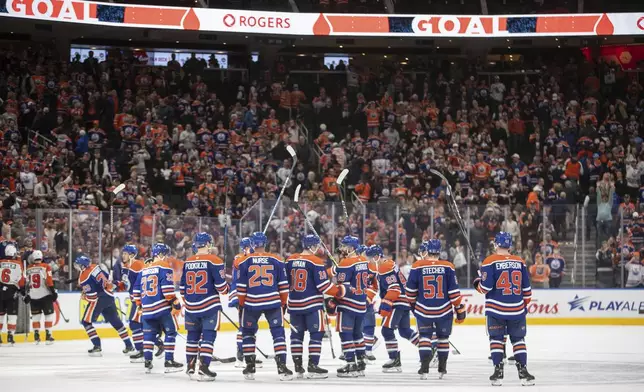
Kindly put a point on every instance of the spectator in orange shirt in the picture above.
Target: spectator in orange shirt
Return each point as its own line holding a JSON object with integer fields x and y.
{"x": 539, "y": 273}
{"x": 363, "y": 189}
{"x": 330, "y": 187}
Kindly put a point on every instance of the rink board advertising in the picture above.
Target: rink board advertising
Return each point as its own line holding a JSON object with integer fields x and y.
{"x": 549, "y": 307}
{"x": 321, "y": 24}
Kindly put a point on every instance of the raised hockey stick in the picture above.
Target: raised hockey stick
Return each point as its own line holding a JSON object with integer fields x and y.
{"x": 291, "y": 151}
{"x": 297, "y": 206}
{"x": 454, "y": 207}
{"x": 225, "y": 250}
{"x": 338, "y": 181}
{"x": 329, "y": 254}
{"x": 115, "y": 192}
{"x": 239, "y": 329}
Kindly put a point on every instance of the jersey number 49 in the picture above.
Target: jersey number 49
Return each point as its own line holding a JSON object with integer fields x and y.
{"x": 508, "y": 286}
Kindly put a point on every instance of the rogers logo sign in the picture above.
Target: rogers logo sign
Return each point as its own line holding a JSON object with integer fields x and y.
{"x": 270, "y": 22}
{"x": 640, "y": 23}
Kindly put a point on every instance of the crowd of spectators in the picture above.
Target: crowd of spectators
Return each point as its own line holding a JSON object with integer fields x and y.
{"x": 521, "y": 152}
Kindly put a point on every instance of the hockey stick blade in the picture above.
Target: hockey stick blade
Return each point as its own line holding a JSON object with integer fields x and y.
{"x": 297, "y": 193}
{"x": 291, "y": 151}
{"x": 342, "y": 176}
{"x": 224, "y": 360}
{"x": 118, "y": 189}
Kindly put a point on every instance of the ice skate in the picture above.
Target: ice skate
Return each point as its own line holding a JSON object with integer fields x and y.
{"x": 171, "y": 366}
{"x": 128, "y": 351}
{"x": 497, "y": 377}
{"x": 148, "y": 366}
{"x": 95, "y": 351}
{"x": 137, "y": 358}
{"x": 314, "y": 371}
{"x": 299, "y": 369}
{"x": 442, "y": 367}
{"x": 49, "y": 340}
{"x": 350, "y": 370}
{"x": 190, "y": 369}
{"x": 10, "y": 341}
{"x": 37, "y": 337}
{"x": 370, "y": 359}
{"x": 285, "y": 373}
{"x": 392, "y": 365}
{"x": 526, "y": 378}
{"x": 249, "y": 371}
{"x": 361, "y": 366}
{"x": 205, "y": 374}
{"x": 424, "y": 369}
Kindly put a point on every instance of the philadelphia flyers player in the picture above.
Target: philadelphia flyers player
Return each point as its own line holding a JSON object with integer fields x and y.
{"x": 505, "y": 282}
{"x": 12, "y": 285}
{"x": 262, "y": 290}
{"x": 202, "y": 282}
{"x": 246, "y": 248}
{"x": 394, "y": 307}
{"x": 353, "y": 272}
{"x": 154, "y": 294}
{"x": 308, "y": 283}
{"x": 433, "y": 289}
{"x": 96, "y": 288}
{"x": 41, "y": 294}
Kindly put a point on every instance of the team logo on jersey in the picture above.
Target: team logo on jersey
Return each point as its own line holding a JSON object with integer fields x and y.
{"x": 555, "y": 264}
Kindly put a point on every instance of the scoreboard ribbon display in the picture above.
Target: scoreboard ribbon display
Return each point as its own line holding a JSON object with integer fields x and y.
{"x": 321, "y": 24}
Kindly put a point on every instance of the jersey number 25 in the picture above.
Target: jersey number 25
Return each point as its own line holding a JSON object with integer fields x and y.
{"x": 260, "y": 275}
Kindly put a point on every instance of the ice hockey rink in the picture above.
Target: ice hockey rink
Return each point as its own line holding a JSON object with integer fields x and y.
{"x": 562, "y": 358}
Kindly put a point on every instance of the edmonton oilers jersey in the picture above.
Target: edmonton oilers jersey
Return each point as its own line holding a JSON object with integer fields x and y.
{"x": 154, "y": 289}
{"x": 91, "y": 281}
{"x": 308, "y": 281}
{"x": 261, "y": 281}
{"x": 506, "y": 285}
{"x": 391, "y": 284}
{"x": 354, "y": 272}
{"x": 203, "y": 279}
{"x": 434, "y": 287}
{"x": 131, "y": 273}
{"x": 557, "y": 266}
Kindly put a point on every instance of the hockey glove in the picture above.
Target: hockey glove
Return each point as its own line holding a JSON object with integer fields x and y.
{"x": 54, "y": 294}
{"x": 176, "y": 308}
{"x": 477, "y": 285}
{"x": 460, "y": 314}
{"x": 26, "y": 299}
{"x": 386, "y": 307}
{"x": 331, "y": 305}
{"x": 109, "y": 286}
{"x": 234, "y": 303}
{"x": 342, "y": 291}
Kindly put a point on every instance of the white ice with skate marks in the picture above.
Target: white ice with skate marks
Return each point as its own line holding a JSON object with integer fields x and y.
{"x": 570, "y": 358}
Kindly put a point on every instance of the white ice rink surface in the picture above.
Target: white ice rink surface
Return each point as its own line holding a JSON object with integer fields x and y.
{"x": 571, "y": 358}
